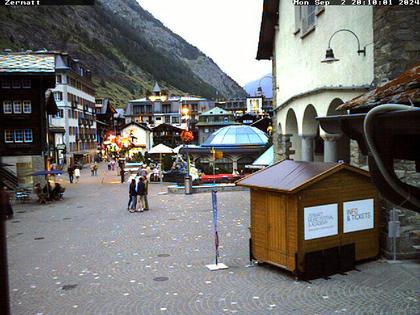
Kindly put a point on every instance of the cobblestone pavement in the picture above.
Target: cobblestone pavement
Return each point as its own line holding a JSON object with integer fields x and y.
{"x": 89, "y": 255}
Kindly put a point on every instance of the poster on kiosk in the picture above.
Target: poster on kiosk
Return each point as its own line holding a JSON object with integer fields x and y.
{"x": 321, "y": 221}
{"x": 358, "y": 215}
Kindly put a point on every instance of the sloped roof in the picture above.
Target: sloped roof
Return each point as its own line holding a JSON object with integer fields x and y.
{"x": 156, "y": 88}
{"x": 216, "y": 111}
{"x": 267, "y": 29}
{"x": 27, "y": 63}
{"x": 404, "y": 89}
{"x": 266, "y": 158}
{"x": 290, "y": 176}
{"x": 143, "y": 126}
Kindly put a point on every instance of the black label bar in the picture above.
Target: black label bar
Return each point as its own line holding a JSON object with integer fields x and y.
{"x": 35, "y": 3}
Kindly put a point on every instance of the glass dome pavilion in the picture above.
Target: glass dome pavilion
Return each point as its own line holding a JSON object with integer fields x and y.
{"x": 234, "y": 136}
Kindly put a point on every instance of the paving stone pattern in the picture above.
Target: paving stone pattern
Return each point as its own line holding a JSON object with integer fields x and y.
{"x": 94, "y": 257}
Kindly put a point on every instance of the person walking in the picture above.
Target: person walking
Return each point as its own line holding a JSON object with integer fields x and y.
{"x": 5, "y": 204}
{"x": 140, "y": 194}
{"x": 122, "y": 174}
{"x": 92, "y": 169}
{"x": 95, "y": 169}
{"x": 70, "y": 170}
{"x": 77, "y": 173}
{"x": 132, "y": 193}
{"x": 146, "y": 188}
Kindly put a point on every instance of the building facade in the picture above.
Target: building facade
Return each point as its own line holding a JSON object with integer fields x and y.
{"x": 105, "y": 118}
{"x": 25, "y": 106}
{"x": 159, "y": 108}
{"x": 296, "y": 38}
{"x": 253, "y": 104}
{"x": 75, "y": 97}
{"x": 212, "y": 120}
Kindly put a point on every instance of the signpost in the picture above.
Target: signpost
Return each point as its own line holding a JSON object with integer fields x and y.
{"x": 217, "y": 265}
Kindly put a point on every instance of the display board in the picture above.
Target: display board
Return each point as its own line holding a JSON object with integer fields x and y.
{"x": 320, "y": 221}
{"x": 358, "y": 215}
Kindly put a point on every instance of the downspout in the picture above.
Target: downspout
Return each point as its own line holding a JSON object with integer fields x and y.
{"x": 368, "y": 131}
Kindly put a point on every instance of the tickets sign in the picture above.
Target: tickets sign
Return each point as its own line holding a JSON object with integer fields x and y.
{"x": 321, "y": 221}
{"x": 358, "y": 215}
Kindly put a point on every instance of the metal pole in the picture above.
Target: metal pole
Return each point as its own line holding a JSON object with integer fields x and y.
{"x": 4, "y": 277}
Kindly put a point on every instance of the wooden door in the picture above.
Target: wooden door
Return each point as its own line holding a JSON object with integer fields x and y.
{"x": 259, "y": 224}
{"x": 276, "y": 218}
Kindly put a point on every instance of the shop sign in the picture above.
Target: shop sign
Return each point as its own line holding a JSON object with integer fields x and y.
{"x": 358, "y": 215}
{"x": 320, "y": 221}
{"x": 61, "y": 146}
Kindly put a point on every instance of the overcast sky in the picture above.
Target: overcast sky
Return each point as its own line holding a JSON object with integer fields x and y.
{"x": 225, "y": 30}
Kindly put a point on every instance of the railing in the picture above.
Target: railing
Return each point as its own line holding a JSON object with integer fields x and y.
{"x": 9, "y": 179}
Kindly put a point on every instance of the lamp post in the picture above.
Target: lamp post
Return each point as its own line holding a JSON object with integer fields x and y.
{"x": 187, "y": 180}
{"x": 329, "y": 55}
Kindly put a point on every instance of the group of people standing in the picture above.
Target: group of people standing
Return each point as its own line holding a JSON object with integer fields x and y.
{"x": 138, "y": 190}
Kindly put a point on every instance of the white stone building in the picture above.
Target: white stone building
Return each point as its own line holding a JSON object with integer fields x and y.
{"x": 295, "y": 38}
{"x": 75, "y": 97}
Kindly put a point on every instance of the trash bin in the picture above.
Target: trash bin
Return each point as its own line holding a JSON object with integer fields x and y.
{"x": 188, "y": 185}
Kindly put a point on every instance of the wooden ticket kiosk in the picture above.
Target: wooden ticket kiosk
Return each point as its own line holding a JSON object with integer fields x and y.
{"x": 312, "y": 218}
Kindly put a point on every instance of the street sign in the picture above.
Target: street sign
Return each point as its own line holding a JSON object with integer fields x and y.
{"x": 217, "y": 265}
{"x": 61, "y": 146}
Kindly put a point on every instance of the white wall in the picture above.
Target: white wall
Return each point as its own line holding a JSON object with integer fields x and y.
{"x": 298, "y": 60}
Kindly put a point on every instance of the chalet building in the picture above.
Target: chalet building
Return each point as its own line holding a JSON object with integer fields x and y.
{"x": 212, "y": 120}
{"x": 159, "y": 108}
{"x": 25, "y": 106}
{"x": 168, "y": 135}
{"x": 105, "y": 118}
{"x": 75, "y": 96}
{"x": 119, "y": 119}
{"x": 139, "y": 135}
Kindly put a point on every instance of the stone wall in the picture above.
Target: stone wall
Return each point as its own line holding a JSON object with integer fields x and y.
{"x": 396, "y": 40}
{"x": 396, "y": 48}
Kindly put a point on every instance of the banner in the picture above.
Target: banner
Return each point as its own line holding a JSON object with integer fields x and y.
{"x": 320, "y": 221}
{"x": 216, "y": 235}
{"x": 358, "y": 215}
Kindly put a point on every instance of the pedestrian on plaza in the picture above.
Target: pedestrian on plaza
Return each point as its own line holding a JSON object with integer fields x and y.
{"x": 156, "y": 174}
{"x": 95, "y": 169}
{"x": 140, "y": 195}
{"x": 122, "y": 173}
{"x": 70, "y": 170}
{"x": 109, "y": 165}
{"x": 132, "y": 194}
{"x": 113, "y": 165}
{"x": 92, "y": 169}
{"x": 77, "y": 173}
{"x": 6, "y": 206}
{"x": 146, "y": 188}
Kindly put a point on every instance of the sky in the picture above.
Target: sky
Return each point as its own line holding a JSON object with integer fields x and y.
{"x": 225, "y": 30}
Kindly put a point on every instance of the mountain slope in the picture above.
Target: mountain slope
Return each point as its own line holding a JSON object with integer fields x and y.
{"x": 126, "y": 48}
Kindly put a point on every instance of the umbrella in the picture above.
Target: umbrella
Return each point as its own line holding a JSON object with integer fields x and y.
{"x": 45, "y": 173}
{"x": 161, "y": 149}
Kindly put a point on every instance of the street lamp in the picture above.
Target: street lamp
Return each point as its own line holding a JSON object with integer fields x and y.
{"x": 329, "y": 55}
{"x": 259, "y": 88}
